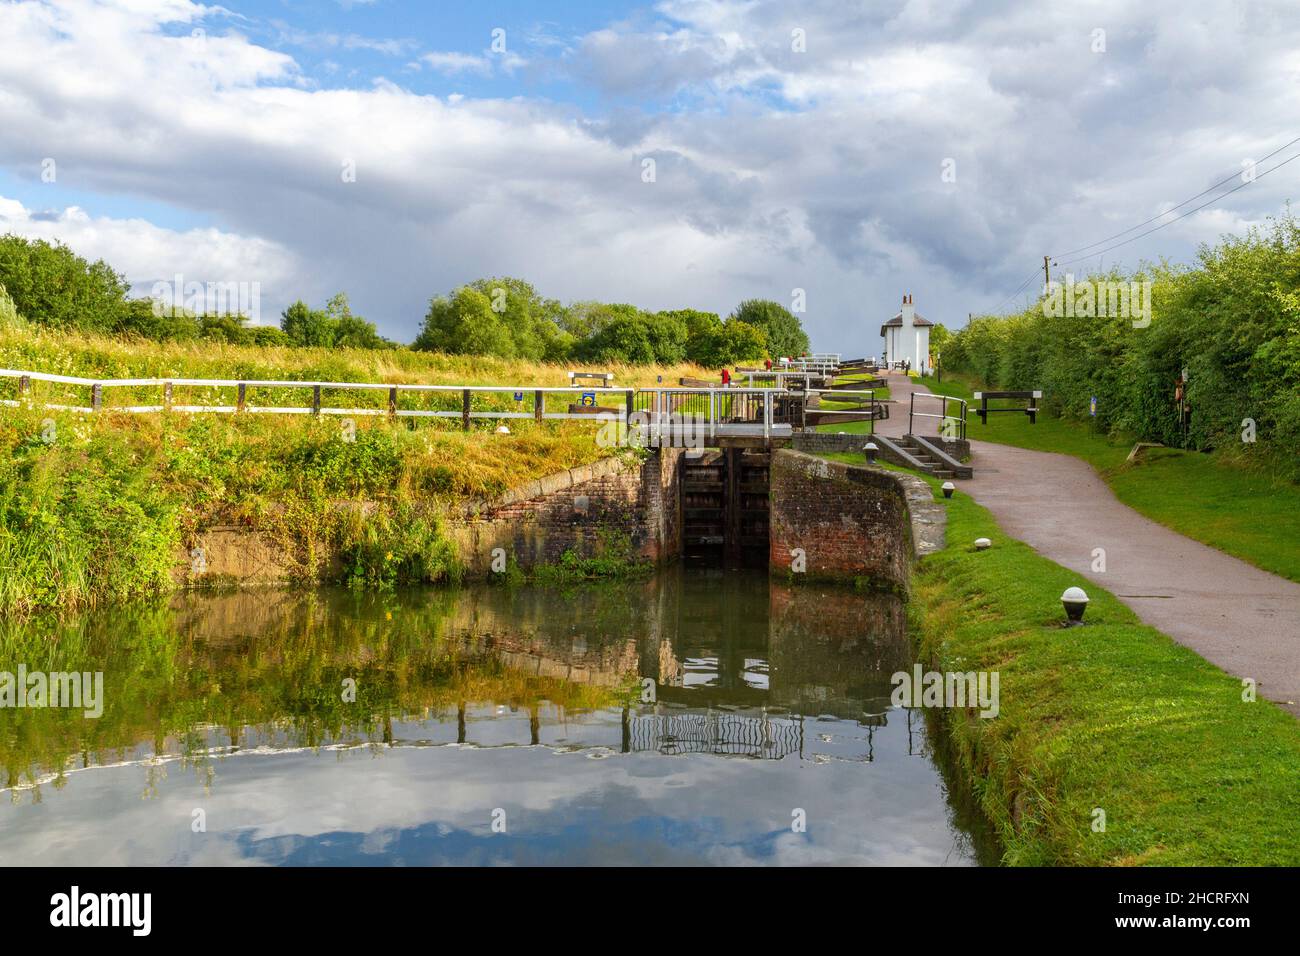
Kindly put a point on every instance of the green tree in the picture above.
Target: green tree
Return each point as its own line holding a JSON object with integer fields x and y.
{"x": 266, "y": 335}
{"x": 668, "y": 335}
{"x": 583, "y": 320}
{"x": 700, "y": 329}
{"x": 784, "y": 333}
{"x": 146, "y": 319}
{"x": 530, "y": 320}
{"x": 352, "y": 331}
{"x": 732, "y": 342}
{"x": 465, "y": 324}
{"x": 223, "y": 328}
{"x": 306, "y": 326}
{"x": 624, "y": 338}
{"x": 940, "y": 335}
{"x": 51, "y": 285}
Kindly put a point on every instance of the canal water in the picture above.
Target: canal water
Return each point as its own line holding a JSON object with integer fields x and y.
{"x": 692, "y": 717}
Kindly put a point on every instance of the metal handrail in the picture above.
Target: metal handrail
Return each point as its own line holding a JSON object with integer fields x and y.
{"x": 660, "y": 407}
{"x": 943, "y": 416}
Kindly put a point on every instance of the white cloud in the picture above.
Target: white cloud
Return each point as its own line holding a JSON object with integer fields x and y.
{"x": 453, "y": 63}
{"x": 146, "y": 253}
{"x": 775, "y": 169}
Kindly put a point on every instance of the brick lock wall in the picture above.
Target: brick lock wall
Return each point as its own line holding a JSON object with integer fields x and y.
{"x": 593, "y": 510}
{"x": 850, "y": 521}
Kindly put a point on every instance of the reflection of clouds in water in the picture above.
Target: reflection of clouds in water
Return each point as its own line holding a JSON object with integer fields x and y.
{"x": 576, "y": 798}
{"x": 434, "y": 805}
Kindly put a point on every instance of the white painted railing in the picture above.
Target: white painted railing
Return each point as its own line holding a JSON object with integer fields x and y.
{"x": 661, "y": 411}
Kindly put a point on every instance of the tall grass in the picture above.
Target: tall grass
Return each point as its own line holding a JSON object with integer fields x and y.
{"x": 96, "y": 508}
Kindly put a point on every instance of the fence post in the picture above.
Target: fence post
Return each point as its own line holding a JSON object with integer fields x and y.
{"x": 239, "y": 402}
{"x": 631, "y": 405}
{"x": 464, "y": 409}
{"x": 24, "y": 385}
{"x": 167, "y": 396}
{"x": 96, "y": 397}
{"x": 315, "y": 399}
{"x": 392, "y": 402}
{"x": 539, "y": 405}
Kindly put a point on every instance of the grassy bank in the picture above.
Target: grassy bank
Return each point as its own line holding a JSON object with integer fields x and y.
{"x": 96, "y": 508}
{"x": 1114, "y": 715}
{"x": 1219, "y": 499}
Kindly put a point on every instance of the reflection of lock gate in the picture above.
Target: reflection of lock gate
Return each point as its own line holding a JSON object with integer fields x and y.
{"x": 717, "y": 732}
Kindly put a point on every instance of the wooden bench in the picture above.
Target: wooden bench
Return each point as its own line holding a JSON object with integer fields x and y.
{"x": 1029, "y": 396}
{"x": 591, "y": 378}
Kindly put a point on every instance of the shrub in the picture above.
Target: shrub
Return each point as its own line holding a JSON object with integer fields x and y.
{"x": 1232, "y": 321}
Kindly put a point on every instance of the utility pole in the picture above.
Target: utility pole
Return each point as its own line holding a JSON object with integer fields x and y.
{"x": 1047, "y": 274}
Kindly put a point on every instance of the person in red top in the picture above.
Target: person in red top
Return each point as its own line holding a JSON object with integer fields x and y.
{"x": 726, "y": 378}
{"x": 767, "y": 364}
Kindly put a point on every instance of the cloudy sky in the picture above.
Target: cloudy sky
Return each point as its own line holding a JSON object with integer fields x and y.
{"x": 854, "y": 150}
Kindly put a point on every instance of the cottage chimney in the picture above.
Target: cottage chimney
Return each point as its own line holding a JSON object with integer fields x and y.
{"x": 909, "y": 311}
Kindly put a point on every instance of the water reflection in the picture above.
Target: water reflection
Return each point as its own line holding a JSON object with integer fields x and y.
{"x": 682, "y": 719}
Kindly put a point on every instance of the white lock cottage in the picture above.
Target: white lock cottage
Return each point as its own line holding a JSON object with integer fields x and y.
{"x": 907, "y": 338}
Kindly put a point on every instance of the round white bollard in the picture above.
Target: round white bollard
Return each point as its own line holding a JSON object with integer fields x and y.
{"x": 982, "y": 544}
{"x": 948, "y": 489}
{"x": 1075, "y": 602}
{"x": 870, "y": 450}
{"x": 503, "y": 430}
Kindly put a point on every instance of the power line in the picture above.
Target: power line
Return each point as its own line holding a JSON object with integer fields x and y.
{"x": 1070, "y": 252}
{"x": 1189, "y": 212}
{"x": 1101, "y": 252}
{"x": 1030, "y": 278}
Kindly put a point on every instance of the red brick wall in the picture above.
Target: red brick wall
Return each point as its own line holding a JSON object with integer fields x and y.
{"x": 850, "y": 521}
{"x": 611, "y": 508}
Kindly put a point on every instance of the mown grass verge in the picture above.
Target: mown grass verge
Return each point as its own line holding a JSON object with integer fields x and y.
{"x": 1114, "y": 716}
{"x": 1217, "y": 499}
